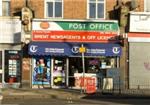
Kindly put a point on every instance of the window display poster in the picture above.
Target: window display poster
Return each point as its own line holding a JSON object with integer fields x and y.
{"x": 41, "y": 71}
{"x": 12, "y": 65}
{"x": 59, "y": 73}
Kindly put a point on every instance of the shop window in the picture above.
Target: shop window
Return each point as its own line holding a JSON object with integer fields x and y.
{"x": 94, "y": 65}
{"x": 6, "y": 7}
{"x": 0, "y": 59}
{"x": 54, "y": 8}
{"x": 108, "y": 63}
{"x": 96, "y": 9}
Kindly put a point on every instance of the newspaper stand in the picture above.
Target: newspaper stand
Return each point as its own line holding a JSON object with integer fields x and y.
{"x": 90, "y": 85}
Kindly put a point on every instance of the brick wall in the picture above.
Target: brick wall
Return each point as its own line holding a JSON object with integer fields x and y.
{"x": 16, "y": 6}
{"x": 36, "y": 5}
{"x": 73, "y": 9}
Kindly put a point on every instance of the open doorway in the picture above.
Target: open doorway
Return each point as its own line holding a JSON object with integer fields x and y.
{"x": 75, "y": 66}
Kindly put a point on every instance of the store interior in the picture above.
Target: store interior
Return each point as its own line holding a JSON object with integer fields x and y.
{"x": 93, "y": 65}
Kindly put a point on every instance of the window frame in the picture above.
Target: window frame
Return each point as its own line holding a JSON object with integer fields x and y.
{"x": 1, "y": 59}
{"x": 145, "y": 6}
{"x": 8, "y": 14}
{"x": 45, "y": 8}
{"x": 96, "y": 2}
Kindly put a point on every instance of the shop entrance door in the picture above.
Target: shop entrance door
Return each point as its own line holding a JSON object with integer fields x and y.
{"x": 75, "y": 66}
{"x": 59, "y": 68}
{"x": 13, "y": 67}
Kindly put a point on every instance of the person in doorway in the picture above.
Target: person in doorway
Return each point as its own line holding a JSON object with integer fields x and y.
{"x": 74, "y": 70}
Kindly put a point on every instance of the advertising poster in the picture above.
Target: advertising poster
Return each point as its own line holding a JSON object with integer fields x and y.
{"x": 59, "y": 73}
{"x": 41, "y": 71}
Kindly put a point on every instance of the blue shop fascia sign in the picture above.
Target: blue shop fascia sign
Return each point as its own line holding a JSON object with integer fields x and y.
{"x": 72, "y": 49}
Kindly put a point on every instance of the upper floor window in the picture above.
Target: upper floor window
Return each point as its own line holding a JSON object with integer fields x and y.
{"x": 96, "y": 9}
{"x": 147, "y": 5}
{"x": 6, "y": 7}
{"x": 54, "y": 8}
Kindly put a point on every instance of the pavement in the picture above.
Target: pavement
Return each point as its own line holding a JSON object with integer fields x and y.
{"x": 20, "y": 93}
{"x": 67, "y": 94}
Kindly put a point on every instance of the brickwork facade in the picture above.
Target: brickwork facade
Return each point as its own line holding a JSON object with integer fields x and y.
{"x": 72, "y": 9}
{"x": 75, "y": 9}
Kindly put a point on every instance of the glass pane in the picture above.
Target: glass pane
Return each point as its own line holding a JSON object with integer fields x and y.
{"x": 92, "y": 0}
{"x": 100, "y": 0}
{"x": 92, "y": 10}
{"x": 58, "y": 9}
{"x": 6, "y": 8}
{"x": 95, "y": 0}
{"x": 100, "y": 10}
{"x": 58, "y": 0}
{"x": 49, "y": 9}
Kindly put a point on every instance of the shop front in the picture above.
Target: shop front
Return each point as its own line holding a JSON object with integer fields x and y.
{"x": 13, "y": 67}
{"x": 10, "y": 52}
{"x": 60, "y": 64}
{"x": 69, "y": 49}
{"x": 138, "y": 60}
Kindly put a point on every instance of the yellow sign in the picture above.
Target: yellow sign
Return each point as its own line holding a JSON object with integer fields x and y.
{"x": 82, "y": 49}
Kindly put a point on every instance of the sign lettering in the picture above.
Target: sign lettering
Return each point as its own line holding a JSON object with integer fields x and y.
{"x": 75, "y": 31}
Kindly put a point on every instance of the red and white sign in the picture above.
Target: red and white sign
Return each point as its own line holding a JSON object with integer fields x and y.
{"x": 139, "y": 37}
{"x": 70, "y": 31}
{"x": 73, "y": 36}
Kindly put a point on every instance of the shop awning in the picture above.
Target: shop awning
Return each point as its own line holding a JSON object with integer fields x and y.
{"x": 72, "y": 49}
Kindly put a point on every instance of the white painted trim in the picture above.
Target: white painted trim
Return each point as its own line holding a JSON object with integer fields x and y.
{"x": 31, "y": 74}
{"x": 52, "y": 68}
{"x": 3, "y": 73}
{"x": 139, "y": 39}
{"x": 75, "y": 20}
{"x": 67, "y": 72}
{"x": 145, "y": 5}
{"x": 0, "y": 7}
{"x": 105, "y": 9}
